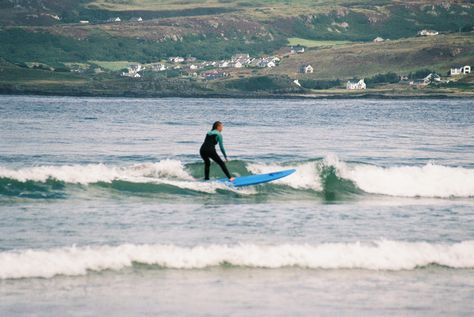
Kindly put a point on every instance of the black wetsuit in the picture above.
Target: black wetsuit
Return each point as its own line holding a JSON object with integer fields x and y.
{"x": 208, "y": 151}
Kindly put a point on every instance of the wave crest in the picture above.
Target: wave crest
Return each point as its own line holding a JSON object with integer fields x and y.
{"x": 378, "y": 255}
{"x": 329, "y": 177}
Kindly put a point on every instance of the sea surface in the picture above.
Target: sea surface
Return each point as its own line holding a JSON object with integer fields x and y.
{"x": 104, "y": 211}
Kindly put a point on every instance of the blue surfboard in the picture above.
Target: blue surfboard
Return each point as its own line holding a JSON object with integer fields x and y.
{"x": 257, "y": 178}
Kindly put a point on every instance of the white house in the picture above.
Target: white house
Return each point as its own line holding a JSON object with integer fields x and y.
{"x": 84, "y": 22}
{"x": 356, "y": 86}
{"x": 306, "y": 69}
{"x": 131, "y": 74}
{"x": 117, "y": 19}
{"x": 266, "y": 63}
{"x": 223, "y": 64}
{"x": 430, "y": 78}
{"x": 237, "y": 64}
{"x": 378, "y": 39}
{"x": 271, "y": 64}
{"x": 428, "y": 33}
{"x": 297, "y": 49}
{"x": 193, "y": 66}
{"x": 133, "y": 70}
{"x": 176, "y": 59}
{"x": 461, "y": 70}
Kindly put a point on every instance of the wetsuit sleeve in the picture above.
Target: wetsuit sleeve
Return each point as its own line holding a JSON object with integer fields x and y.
{"x": 221, "y": 144}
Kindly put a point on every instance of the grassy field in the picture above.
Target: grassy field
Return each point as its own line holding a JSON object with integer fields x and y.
{"x": 360, "y": 60}
{"x": 314, "y": 43}
{"x": 112, "y": 66}
{"x": 192, "y": 4}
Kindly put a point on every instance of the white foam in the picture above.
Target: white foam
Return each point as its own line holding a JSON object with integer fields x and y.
{"x": 92, "y": 173}
{"x": 305, "y": 177}
{"x": 378, "y": 255}
{"x": 411, "y": 181}
{"x": 430, "y": 180}
{"x": 170, "y": 172}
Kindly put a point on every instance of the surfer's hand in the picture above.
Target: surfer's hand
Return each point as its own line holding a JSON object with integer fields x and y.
{"x": 227, "y": 159}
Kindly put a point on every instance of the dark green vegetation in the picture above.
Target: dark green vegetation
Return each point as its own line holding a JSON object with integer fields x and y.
{"x": 274, "y": 84}
{"x": 319, "y": 84}
{"x": 22, "y": 45}
{"x": 47, "y": 34}
{"x": 364, "y": 24}
{"x": 387, "y": 78}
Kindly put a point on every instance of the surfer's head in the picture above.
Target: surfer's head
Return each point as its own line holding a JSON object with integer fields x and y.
{"x": 217, "y": 126}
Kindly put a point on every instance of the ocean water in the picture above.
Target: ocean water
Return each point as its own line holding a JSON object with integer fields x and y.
{"x": 103, "y": 209}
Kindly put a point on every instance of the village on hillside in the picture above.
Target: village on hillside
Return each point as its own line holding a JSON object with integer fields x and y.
{"x": 212, "y": 70}
{"x": 243, "y": 65}
{"x": 191, "y": 67}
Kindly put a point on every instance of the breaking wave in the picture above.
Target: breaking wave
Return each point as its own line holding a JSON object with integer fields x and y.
{"x": 377, "y": 255}
{"x": 329, "y": 178}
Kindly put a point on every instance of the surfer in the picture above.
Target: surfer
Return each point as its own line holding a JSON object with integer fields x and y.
{"x": 208, "y": 150}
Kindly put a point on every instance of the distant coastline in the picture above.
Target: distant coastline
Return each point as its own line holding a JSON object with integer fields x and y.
{"x": 364, "y": 95}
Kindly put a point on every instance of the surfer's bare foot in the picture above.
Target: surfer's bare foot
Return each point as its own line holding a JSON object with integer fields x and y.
{"x": 231, "y": 179}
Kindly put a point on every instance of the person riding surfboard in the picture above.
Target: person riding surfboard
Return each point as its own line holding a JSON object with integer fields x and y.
{"x": 208, "y": 150}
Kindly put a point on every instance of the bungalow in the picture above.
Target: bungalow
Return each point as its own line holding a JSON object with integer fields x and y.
{"x": 136, "y": 19}
{"x": 135, "y": 68}
{"x": 133, "y": 71}
{"x": 299, "y": 49}
{"x": 135, "y": 75}
{"x": 378, "y": 39}
{"x": 430, "y": 78}
{"x": 427, "y": 33}
{"x": 306, "y": 69}
{"x": 223, "y": 64}
{"x": 263, "y": 63}
{"x": 117, "y": 19}
{"x": 356, "y": 86}
{"x": 237, "y": 64}
{"x": 461, "y": 70}
{"x": 84, "y": 22}
{"x": 176, "y": 59}
{"x": 192, "y": 66}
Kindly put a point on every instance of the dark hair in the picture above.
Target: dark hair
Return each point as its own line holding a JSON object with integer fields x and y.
{"x": 216, "y": 124}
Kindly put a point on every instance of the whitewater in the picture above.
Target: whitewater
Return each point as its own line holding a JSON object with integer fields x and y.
{"x": 379, "y": 255}
{"x": 104, "y": 211}
{"x": 430, "y": 180}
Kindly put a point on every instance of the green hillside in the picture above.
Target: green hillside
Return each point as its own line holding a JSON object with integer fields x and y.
{"x": 337, "y": 35}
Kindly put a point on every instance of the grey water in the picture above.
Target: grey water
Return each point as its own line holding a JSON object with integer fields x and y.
{"x": 103, "y": 209}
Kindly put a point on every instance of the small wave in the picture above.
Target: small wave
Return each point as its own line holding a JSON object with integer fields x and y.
{"x": 377, "y": 255}
{"x": 330, "y": 178}
{"x": 430, "y": 180}
{"x": 93, "y": 173}
{"x": 334, "y": 177}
